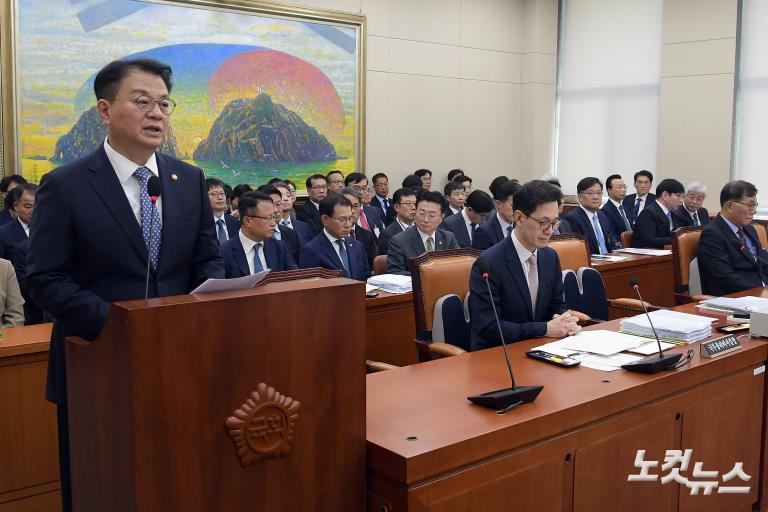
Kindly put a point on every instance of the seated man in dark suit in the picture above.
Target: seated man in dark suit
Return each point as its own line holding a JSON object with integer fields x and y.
{"x": 731, "y": 258}
{"x": 405, "y": 209}
{"x": 7, "y": 184}
{"x": 454, "y": 198}
{"x": 286, "y": 235}
{"x": 14, "y": 232}
{"x": 254, "y": 248}
{"x": 332, "y": 248}
{"x": 589, "y": 220}
{"x": 370, "y": 218}
{"x": 225, "y": 224}
{"x": 464, "y": 224}
{"x": 32, "y": 312}
{"x": 309, "y": 211}
{"x": 656, "y": 222}
{"x": 335, "y": 180}
{"x": 524, "y": 276}
{"x": 691, "y": 213}
{"x": 359, "y": 233}
{"x": 500, "y": 225}
{"x": 636, "y": 203}
{"x": 423, "y": 236}
{"x": 380, "y": 199}
{"x": 302, "y": 229}
{"x": 614, "y": 207}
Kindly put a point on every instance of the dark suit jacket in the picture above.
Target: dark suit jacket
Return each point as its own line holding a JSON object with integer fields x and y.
{"x": 512, "y": 297}
{"x": 455, "y": 224}
{"x": 303, "y": 231}
{"x": 11, "y": 234}
{"x": 614, "y": 216}
{"x": 307, "y": 213}
{"x": 408, "y": 244}
{"x": 375, "y": 218}
{"x": 652, "y": 228}
{"x": 447, "y": 212}
{"x": 291, "y": 241}
{"x": 233, "y": 225}
{"x": 86, "y": 248}
{"x": 387, "y": 235}
{"x": 724, "y": 266}
{"x": 683, "y": 218}
{"x": 236, "y": 265}
{"x": 368, "y": 239}
{"x": 5, "y": 216}
{"x": 389, "y": 214}
{"x": 565, "y": 227}
{"x": 320, "y": 253}
{"x": 581, "y": 224}
{"x": 629, "y": 206}
{"x": 32, "y": 313}
{"x": 489, "y": 233}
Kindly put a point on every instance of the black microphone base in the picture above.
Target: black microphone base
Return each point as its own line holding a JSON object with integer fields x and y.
{"x": 507, "y": 398}
{"x": 654, "y": 364}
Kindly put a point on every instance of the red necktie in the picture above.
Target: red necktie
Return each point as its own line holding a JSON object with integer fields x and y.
{"x": 364, "y": 221}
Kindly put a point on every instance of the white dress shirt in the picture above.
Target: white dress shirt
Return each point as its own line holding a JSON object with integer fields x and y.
{"x": 642, "y": 203}
{"x": 216, "y": 225}
{"x": 403, "y": 224}
{"x": 666, "y": 212}
{"x": 504, "y": 224}
{"x": 424, "y": 237}
{"x": 249, "y": 246}
{"x": 524, "y": 254}
{"x": 590, "y": 216}
{"x": 467, "y": 223}
{"x": 24, "y": 226}
{"x": 335, "y": 246}
{"x": 124, "y": 168}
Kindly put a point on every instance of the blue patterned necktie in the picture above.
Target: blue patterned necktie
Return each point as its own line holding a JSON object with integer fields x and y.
{"x": 671, "y": 223}
{"x": 150, "y": 220}
{"x": 257, "y": 266}
{"x": 599, "y": 234}
{"x": 221, "y": 231}
{"x": 509, "y": 231}
{"x": 343, "y": 255}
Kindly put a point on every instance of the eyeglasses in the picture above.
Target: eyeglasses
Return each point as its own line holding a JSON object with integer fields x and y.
{"x": 592, "y": 193}
{"x": 344, "y": 220}
{"x": 752, "y": 206}
{"x": 409, "y": 204}
{"x": 427, "y": 215}
{"x": 147, "y": 104}
{"x": 546, "y": 224}
{"x": 268, "y": 219}
{"x": 217, "y": 194}
{"x": 336, "y": 182}
{"x": 319, "y": 187}
{"x": 362, "y": 189}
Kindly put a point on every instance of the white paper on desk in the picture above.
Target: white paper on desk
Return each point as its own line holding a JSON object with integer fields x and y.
{"x": 607, "y": 363}
{"x": 227, "y": 285}
{"x": 645, "y": 252}
{"x": 650, "y": 348}
{"x": 605, "y": 257}
{"x": 601, "y": 342}
{"x": 370, "y": 288}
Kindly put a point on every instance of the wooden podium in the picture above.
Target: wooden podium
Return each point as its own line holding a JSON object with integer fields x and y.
{"x": 250, "y": 400}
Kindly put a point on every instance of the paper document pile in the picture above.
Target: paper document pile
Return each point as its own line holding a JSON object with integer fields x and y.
{"x": 671, "y": 325}
{"x": 645, "y": 252}
{"x": 741, "y": 305}
{"x": 391, "y": 283}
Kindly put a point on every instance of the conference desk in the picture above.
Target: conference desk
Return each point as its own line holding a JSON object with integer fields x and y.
{"x": 655, "y": 274}
{"x": 430, "y": 449}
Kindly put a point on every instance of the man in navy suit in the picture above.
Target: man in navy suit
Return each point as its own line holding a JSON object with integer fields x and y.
{"x": 614, "y": 207}
{"x": 691, "y": 213}
{"x": 360, "y": 234}
{"x": 423, "y": 236}
{"x": 731, "y": 258}
{"x": 524, "y": 276}
{"x": 226, "y": 225}
{"x": 32, "y": 312}
{"x": 282, "y": 233}
{"x": 302, "y": 229}
{"x": 380, "y": 199}
{"x": 332, "y": 248}
{"x": 16, "y": 231}
{"x": 335, "y": 180}
{"x": 636, "y": 203}
{"x": 500, "y": 225}
{"x": 654, "y": 225}
{"x": 463, "y": 225}
{"x": 405, "y": 208}
{"x": 454, "y": 198}
{"x": 254, "y": 249}
{"x": 309, "y": 211}
{"x": 589, "y": 220}
{"x": 7, "y": 184}
{"x": 94, "y": 228}
{"x": 370, "y": 218}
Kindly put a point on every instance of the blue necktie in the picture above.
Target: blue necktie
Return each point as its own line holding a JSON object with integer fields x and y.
{"x": 624, "y": 218}
{"x": 150, "y": 220}
{"x": 221, "y": 231}
{"x": 696, "y": 221}
{"x": 257, "y": 266}
{"x": 671, "y": 224}
{"x": 509, "y": 230}
{"x": 277, "y": 234}
{"x": 343, "y": 255}
{"x": 636, "y": 210}
{"x": 599, "y": 234}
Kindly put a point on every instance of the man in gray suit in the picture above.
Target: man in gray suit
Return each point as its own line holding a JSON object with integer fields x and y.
{"x": 404, "y": 200}
{"x": 423, "y": 236}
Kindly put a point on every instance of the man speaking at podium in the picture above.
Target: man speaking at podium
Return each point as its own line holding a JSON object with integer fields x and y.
{"x": 95, "y": 229}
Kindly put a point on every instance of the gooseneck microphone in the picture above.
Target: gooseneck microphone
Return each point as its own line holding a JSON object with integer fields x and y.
{"x": 154, "y": 189}
{"x": 654, "y": 364}
{"x": 503, "y": 400}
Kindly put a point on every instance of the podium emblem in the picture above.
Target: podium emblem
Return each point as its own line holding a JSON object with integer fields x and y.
{"x": 262, "y": 428}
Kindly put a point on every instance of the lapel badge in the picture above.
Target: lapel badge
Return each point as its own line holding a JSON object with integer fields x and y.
{"x": 174, "y": 177}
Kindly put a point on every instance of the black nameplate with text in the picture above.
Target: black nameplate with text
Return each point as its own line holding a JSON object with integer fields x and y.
{"x": 719, "y": 346}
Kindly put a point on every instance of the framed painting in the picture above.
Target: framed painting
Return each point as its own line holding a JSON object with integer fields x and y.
{"x": 262, "y": 91}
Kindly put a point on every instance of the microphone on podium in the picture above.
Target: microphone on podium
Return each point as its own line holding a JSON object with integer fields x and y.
{"x": 654, "y": 364}
{"x": 154, "y": 189}
{"x": 503, "y": 400}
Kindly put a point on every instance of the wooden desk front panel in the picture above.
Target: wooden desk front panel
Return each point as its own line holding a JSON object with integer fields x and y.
{"x": 654, "y": 273}
{"x": 390, "y": 330}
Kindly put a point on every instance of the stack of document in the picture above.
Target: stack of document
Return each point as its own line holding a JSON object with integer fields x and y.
{"x": 391, "y": 283}
{"x": 671, "y": 325}
{"x": 741, "y": 305}
{"x": 645, "y": 252}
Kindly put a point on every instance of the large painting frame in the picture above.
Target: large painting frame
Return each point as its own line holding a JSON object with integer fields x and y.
{"x": 12, "y": 96}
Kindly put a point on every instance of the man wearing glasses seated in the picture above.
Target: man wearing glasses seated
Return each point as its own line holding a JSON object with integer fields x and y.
{"x": 589, "y": 220}
{"x": 524, "y": 276}
{"x": 309, "y": 211}
{"x": 731, "y": 258}
{"x": 226, "y": 225}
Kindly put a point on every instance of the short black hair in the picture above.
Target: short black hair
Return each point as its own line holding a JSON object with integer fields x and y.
{"x": 335, "y": 171}
{"x": 328, "y": 204}
{"x": 377, "y": 176}
{"x": 734, "y": 191}
{"x": 506, "y": 189}
{"x": 214, "y": 182}
{"x": 412, "y": 181}
{"x": 16, "y": 192}
{"x": 274, "y": 180}
{"x": 399, "y": 193}
{"x": 585, "y": 183}
{"x": 313, "y": 177}
{"x": 290, "y": 183}
{"x": 107, "y": 81}
{"x": 535, "y": 193}
{"x": 461, "y": 178}
{"x": 269, "y": 190}
{"x": 451, "y": 186}
{"x": 431, "y": 197}
{"x": 18, "y": 179}
{"x": 241, "y": 189}
{"x": 354, "y": 178}
{"x": 670, "y": 186}
{"x": 422, "y": 172}
{"x": 453, "y": 173}
{"x": 479, "y": 201}
{"x": 645, "y": 173}
{"x": 554, "y": 181}
{"x": 251, "y": 200}
{"x": 496, "y": 183}
{"x": 609, "y": 180}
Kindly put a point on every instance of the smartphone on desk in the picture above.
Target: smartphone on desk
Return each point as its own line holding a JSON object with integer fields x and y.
{"x": 734, "y": 328}
{"x": 564, "y": 362}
